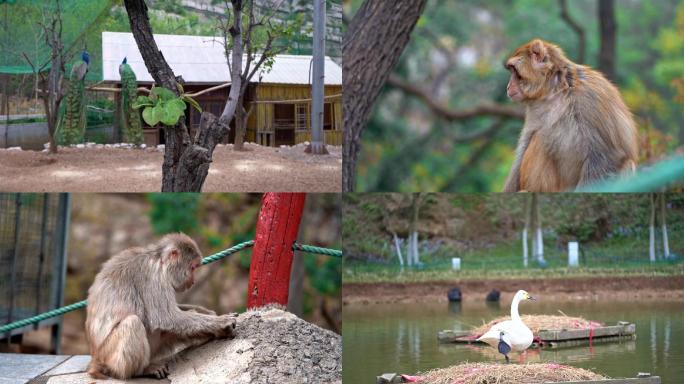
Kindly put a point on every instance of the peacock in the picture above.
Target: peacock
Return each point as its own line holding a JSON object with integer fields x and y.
{"x": 73, "y": 122}
{"x": 130, "y": 118}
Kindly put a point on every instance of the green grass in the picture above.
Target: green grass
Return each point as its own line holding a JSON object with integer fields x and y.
{"x": 613, "y": 257}
{"x": 395, "y": 275}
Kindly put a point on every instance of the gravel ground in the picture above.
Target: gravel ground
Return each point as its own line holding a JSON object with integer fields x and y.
{"x": 106, "y": 169}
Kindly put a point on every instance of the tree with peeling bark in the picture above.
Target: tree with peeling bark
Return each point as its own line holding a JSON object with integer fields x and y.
{"x": 187, "y": 159}
{"x": 372, "y": 46}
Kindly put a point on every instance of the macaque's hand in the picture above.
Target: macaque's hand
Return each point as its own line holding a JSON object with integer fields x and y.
{"x": 227, "y": 329}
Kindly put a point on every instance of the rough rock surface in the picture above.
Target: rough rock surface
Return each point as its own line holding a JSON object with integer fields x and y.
{"x": 271, "y": 346}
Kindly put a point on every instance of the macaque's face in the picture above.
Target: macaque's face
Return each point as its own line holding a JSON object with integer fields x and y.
{"x": 181, "y": 263}
{"x": 190, "y": 275}
{"x": 529, "y": 66}
{"x": 513, "y": 89}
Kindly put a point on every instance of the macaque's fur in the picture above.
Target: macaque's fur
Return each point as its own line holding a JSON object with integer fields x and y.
{"x": 577, "y": 128}
{"x": 134, "y": 324}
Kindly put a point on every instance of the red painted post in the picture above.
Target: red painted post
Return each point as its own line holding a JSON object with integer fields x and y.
{"x": 276, "y": 231}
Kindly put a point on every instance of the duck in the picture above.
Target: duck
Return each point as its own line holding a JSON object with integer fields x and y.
{"x": 513, "y": 334}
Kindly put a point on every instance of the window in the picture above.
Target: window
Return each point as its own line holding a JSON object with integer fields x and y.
{"x": 302, "y": 113}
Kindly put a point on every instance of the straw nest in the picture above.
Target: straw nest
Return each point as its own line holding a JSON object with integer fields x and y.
{"x": 541, "y": 322}
{"x": 479, "y": 373}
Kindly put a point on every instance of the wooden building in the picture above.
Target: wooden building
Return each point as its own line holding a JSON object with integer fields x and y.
{"x": 278, "y": 100}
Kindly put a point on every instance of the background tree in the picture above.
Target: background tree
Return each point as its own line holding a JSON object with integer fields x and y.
{"x": 372, "y": 46}
{"x": 52, "y": 87}
{"x": 608, "y": 29}
{"x": 262, "y": 40}
{"x": 187, "y": 159}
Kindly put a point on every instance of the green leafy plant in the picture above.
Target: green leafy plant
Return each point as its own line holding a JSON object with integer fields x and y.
{"x": 164, "y": 106}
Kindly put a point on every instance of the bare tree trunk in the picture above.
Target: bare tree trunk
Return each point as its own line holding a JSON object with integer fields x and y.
{"x": 608, "y": 28}
{"x": 53, "y": 95}
{"x": 372, "y": 46}
{"x": 186, "y": 161}
{"x": 666, "y": 242}
{"x": 651, "y": 230}
{"x": 240, "y": 125}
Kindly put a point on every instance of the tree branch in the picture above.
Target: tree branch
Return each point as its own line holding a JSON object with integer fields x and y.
{"x": 447, "y": 113}
{"x": 565, "y": 15}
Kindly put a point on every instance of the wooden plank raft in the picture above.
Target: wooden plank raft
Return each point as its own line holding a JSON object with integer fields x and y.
{"x": 556, "y": 338}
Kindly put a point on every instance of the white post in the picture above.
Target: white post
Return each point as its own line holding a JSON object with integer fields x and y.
{"x": 666, "y": 243}
{"x": 456, "y": 263}
{"x": 540, "y": 244}
{"x": 573, "y": 254}
{"x": 396, "y": 244}
{"x": 415, "y": 248}
{"x": 524, "y": 241}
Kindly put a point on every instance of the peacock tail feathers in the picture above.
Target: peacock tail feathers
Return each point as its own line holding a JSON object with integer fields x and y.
{"x": 73, "y": 121}
{"x": 130, "y": 118}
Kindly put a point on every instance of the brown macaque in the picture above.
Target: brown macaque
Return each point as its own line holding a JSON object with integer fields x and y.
{"x": 134, "y": 324}
{"x": 577, "y": 128}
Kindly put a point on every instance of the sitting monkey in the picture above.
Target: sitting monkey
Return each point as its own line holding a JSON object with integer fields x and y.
{"x": 577, "y": 128}
{"x": 134, "y": 324}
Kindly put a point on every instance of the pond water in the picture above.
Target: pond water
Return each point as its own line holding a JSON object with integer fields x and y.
{"x": 402, "y": 338}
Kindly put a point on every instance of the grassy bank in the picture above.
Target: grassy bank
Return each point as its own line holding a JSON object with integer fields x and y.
{"x": 374, "y": 274}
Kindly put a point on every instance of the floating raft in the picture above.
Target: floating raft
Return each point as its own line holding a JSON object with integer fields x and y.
{"x": 500, "y": 375}
{"x": 556, "y": 338}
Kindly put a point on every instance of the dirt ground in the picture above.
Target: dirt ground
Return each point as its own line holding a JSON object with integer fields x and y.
{"x": 259, "y": 169}
{"x": 587, "y": 288}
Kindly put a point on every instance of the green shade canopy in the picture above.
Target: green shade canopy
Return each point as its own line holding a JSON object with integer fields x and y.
{"x": 81, "y": 24}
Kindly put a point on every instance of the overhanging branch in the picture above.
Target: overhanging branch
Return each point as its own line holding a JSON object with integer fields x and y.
{"x": 450, "y": 114}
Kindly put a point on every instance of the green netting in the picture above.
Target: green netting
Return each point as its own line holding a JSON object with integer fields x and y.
{"x": 21, "y": 34}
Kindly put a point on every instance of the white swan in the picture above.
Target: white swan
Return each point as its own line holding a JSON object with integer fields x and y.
{"x": 510, "y": 334}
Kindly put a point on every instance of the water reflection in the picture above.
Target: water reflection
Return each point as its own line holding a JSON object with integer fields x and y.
{"x": 403, "y": 338}
{"x": 455, "y": 307}
{"x": 493, "y": 305}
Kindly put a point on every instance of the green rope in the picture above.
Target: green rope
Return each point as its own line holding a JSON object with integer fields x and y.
{"x": 43, "y": 316}
{"x": 229, "y": 251}
{"x": 318, "y": 250}
{"x": 209, "y": 259}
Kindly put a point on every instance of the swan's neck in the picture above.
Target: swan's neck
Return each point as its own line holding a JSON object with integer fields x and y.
{"x": 514, "y": 309}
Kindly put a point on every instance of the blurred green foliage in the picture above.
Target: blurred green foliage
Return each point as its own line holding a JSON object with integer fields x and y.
{"x": 455, "y": 53}
{"x": 174, "y": 212}
{"x": 484, "y": 230}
